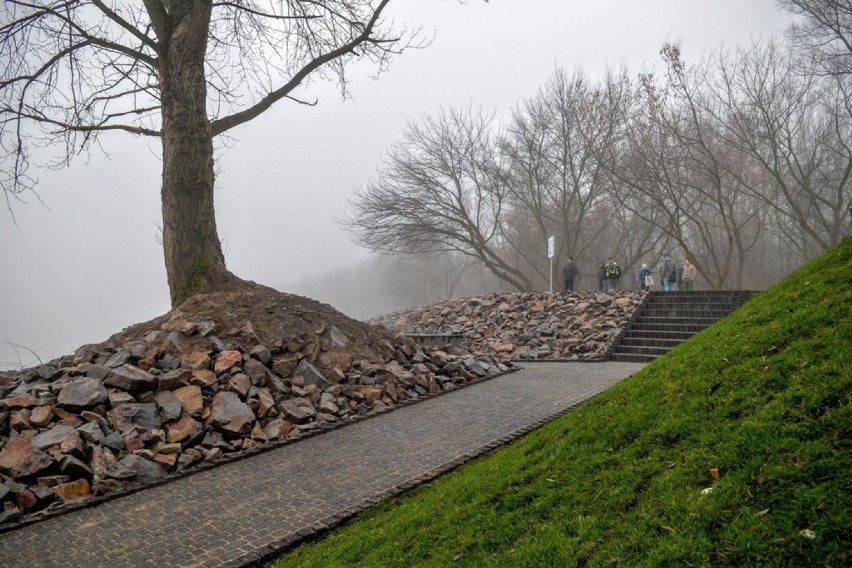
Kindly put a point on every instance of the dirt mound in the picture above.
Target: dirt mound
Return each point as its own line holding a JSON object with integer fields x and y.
{"x": 262, "y": 316}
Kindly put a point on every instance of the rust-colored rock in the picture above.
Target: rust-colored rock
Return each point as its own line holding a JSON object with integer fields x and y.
{"x": 191, "y": 399}
{"x": 19, "y": 458}
{"x": 227, "y": 360}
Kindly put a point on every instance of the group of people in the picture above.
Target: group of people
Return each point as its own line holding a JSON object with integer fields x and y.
{"x": 609, "y": 275}
{"x": 672, "y": 277}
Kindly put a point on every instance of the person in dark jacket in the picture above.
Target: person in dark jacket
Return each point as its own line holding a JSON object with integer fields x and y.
{"x": 613, "y": 275}
{"x": 569, "y": 271}
{"x": 643, "y": 274}
{"x": 668, "y": 272}
{"x": 602, "y": 284}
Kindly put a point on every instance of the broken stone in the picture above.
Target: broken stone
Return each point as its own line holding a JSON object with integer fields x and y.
{"x": 196, "y": 361}
{"x": 130, "y": 415}
{"x": 69, "y": 465}
{"x": 191, "y": 399}
{"x": 171, "y": 380}
{"x": 91, "y": 432}
{"x": 278, "y": 429}
{"x": 297, "y": 413}
{"x": 230, "y": 415}
{"x": 41, "y": 415}
{"x": 183, "y": 430}
{"x": 257, "y": 371}
{"x": 309, "y": 374}
{"x": 262, "y": 354}
{"x": 52, "y": 437}
{"x": 72, "y": 491}
{"x": 240, "y": 384}
{"x": 118, "y": 359}
{"x": 170, "y": 407}
{"x": 226, "y": 360}
{"x": 142, "y": 470}
{"x": 19, "y": 458}
{"x": 131, "y": 379}
{"x": 338, "y": 338}
{"x": 73, "y": 446}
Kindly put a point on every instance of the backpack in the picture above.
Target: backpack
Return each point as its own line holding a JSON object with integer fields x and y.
{"x": 613, "y": 270}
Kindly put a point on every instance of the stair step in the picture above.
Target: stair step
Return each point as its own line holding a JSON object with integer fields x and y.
{"x": 650, "y": 342}
{"x": 668, "y": 320}
{"x": 665, "y": 333}
{"x": 631, "y": 358}
{"x": 690, "y": 328}
{"x": 677, "y": 312}
{"x": 634, "y": 350}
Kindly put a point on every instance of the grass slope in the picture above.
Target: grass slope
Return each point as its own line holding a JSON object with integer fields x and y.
{"x": 763, "y": 396}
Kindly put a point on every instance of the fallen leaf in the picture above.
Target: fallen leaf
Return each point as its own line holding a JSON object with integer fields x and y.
{"x": 762, "y": 513}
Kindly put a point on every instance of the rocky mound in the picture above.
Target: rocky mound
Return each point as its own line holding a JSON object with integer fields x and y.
{"x": 526, "y": 326}
{"x": 220, "y": 374}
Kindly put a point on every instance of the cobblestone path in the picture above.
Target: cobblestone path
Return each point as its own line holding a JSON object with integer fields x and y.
{"x": 244, "y": 511}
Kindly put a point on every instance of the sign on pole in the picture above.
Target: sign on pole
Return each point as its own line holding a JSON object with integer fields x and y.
{"x": 550, "y": 247}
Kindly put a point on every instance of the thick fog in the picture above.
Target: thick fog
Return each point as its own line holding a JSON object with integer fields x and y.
{"x": 85, "y": 261}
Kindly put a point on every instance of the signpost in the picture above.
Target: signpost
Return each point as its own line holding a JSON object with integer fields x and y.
{"x": 550, "y": 251}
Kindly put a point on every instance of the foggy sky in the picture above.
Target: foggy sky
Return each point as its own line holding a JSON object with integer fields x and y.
{"x": 87, "y": 263}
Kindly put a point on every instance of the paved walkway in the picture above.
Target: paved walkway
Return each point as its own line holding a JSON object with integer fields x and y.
{"x": 247, "y": 510}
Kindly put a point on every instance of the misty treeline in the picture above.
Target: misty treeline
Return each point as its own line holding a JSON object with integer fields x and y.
{"x": 740, "y": 162}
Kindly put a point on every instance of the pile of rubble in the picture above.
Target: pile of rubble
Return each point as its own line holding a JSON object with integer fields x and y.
{"x": 191, "y": 387}
{"x": 526, "y": 326}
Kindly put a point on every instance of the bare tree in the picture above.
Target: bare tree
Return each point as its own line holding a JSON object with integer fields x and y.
{"x": 823, "y": 34}
{"x": 555, "y": 146}
{"x": 796, "y": 129}
{"x": 185, "y": 72}
{"x": 439, "y": 190}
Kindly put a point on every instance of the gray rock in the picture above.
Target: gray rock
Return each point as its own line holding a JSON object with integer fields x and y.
{"x": 310, "y": 374}
{"x": 230, "y": 415}
{"x": 91, "y": 432}
{"x": 74, "y": 468}
{"x": 262, "y": 354}
{"x": 113, "y": 441}
{"x": 170, "y": 407}
{"x": 52, "y": 437}
{"x": 338, "y": 338}
{"x": 142, "y": 470}
{"x": 83, "y": 393}
{"x": 297, "y": 413}
{"x": 131, "y": 379}
{"x": 118, "y": 359}
{"x": 127, "y": 416}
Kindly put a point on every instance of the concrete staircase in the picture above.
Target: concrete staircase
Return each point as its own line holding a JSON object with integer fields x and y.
{"x": 667, "y": 319}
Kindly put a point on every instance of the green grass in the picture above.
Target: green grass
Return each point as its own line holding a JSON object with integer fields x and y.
{"x": 764, "y": 396}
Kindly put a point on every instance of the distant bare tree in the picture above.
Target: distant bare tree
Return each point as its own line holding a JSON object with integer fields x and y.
{"x": 185, "y": 72}
{"x": 823, "y": 34}
{"x": 795, "y": 129}
{"x": 555, "y": 146}
{"x": 439, "y": 190}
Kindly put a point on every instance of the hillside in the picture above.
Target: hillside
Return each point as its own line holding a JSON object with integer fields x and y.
{"x": 733, "y": 450}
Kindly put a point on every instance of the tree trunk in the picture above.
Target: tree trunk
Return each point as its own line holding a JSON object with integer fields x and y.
{"x": 193, "y": 253}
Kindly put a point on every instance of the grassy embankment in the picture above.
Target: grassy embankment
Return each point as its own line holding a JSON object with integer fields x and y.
{"x": 763, "y": 397}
